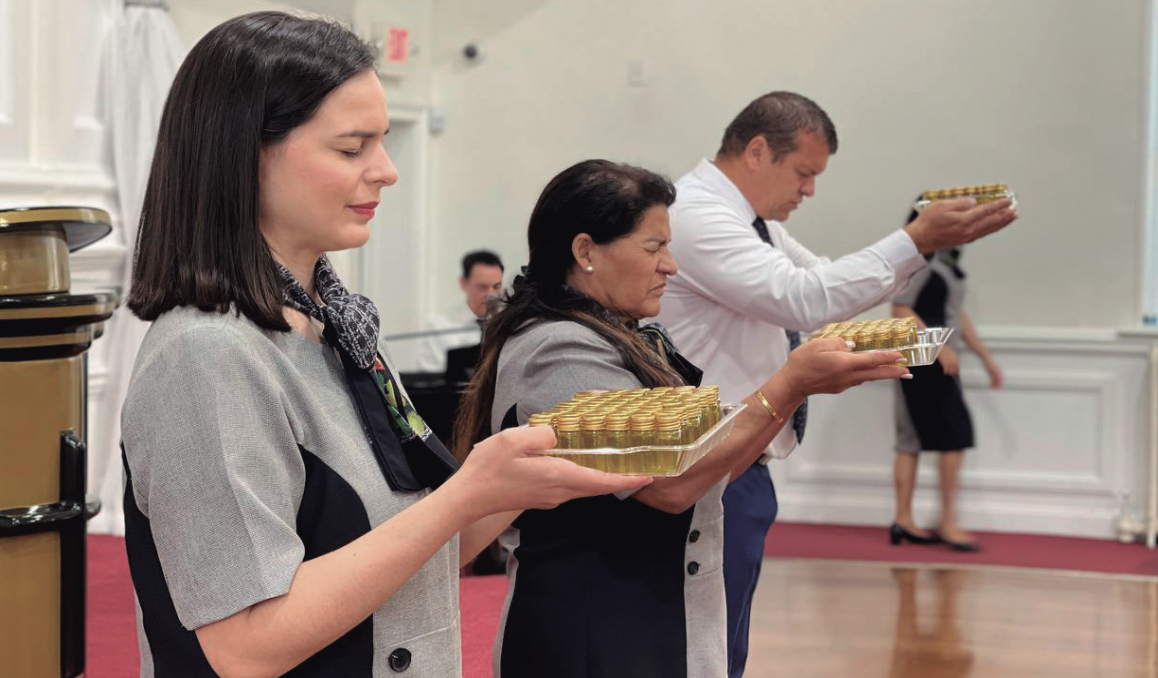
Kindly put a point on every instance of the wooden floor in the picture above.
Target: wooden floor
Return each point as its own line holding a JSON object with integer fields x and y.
{"x": 869, "y": 620}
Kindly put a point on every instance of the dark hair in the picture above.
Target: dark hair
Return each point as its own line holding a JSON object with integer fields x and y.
{"x": 777, "y": 116}
{"x": 484, "y": 257}
{"x": 605, "y": 200}
{"x": 246, "y": 84}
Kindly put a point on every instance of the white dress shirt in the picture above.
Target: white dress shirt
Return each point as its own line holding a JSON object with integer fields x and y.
{"x": 432, "y": 356}
{"x": 734, "y": 296}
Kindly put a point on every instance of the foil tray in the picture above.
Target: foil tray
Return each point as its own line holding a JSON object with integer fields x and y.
{"x": 929, "y": 344}
{"x": 655, "y": 461}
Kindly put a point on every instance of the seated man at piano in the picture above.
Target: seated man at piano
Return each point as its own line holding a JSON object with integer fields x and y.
{"x": 461, "y": 326}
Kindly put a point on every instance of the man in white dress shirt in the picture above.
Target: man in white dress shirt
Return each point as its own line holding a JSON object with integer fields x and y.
{"x": 482, "y": 279}
{"x": 746, "y": 289}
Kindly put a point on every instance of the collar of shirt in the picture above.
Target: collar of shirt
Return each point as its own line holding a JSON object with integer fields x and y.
{"x": 720, "y": 185}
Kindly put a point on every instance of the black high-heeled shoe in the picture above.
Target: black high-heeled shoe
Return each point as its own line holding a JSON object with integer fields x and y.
{"x": 897, "y": 534}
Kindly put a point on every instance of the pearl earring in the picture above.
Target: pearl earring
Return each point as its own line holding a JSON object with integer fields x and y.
{"x": 590, "y": 268}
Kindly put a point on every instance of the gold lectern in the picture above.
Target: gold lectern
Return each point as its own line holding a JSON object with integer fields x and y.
{"x": 44, "y": 333}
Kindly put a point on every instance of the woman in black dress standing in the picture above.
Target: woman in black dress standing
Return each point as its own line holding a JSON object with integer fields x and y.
{"x": 931, "y": 412}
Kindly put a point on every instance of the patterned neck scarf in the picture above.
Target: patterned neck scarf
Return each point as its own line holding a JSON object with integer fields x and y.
{"x": 411, "y": 458}
{"x": 353, "y": 316}
{"x": 656, "y": 334}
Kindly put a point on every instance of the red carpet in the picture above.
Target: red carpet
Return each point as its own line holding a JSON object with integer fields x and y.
{"x": 112, "y": 631}
{"x": 112, "y": 644}
{"x": 844, "y": 542}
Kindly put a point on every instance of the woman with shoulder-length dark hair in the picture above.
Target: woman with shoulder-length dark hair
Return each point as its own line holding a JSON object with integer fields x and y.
{"x": 621, "y": 584}
{"x": 287, "y": 511}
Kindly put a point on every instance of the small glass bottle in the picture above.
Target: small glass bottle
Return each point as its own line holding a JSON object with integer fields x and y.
{"x": 592, "y": 435}
{"x": 691, "y": 423}
{"x": 643, "y": 429}
{"x": 567, "y": 431}
{"x": 883, "y": 337}
{"x": 618, "y": 428}
{"x": 717, "y": 412}
{"x": 863, "y": 340}
{"x": 668, "y": 431}
{"x": 900, "y": 335}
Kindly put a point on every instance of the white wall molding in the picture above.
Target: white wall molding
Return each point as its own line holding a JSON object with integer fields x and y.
{"x": 1056, "y": 447}
{"x": 1054, "y": 518}
{"x": 91, "y": 178}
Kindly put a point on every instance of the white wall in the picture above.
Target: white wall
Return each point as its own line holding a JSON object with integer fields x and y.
{"x": 195, "y": 18}
{"x": 1045, "y": 95}
{"x": 1049, "y": 96}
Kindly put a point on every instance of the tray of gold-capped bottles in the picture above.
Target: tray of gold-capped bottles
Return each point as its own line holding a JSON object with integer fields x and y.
{"x": 982, "y": 193}
{"x": 658, "y": 432}
{"x": 920, "y": 346}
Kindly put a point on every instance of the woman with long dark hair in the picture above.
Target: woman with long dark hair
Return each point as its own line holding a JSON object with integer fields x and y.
{"x": 621, "y": 584}
{"x": 287, "y": 512}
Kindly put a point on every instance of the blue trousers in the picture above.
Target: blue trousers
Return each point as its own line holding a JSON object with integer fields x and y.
{"x": 749, "y": 510}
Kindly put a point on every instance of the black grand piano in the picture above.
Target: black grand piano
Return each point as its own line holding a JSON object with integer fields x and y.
{"x": 436, "y": 396}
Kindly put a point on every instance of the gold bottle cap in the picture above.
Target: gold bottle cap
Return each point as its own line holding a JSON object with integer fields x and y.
{"x": 568, "y": 422}
{"x": 541, "y": 419}
{"x": 667, "y": 420}
{"x": 617, "y": 422}
{"x": 593, "y": 421}
{"x": 643, "y": 421}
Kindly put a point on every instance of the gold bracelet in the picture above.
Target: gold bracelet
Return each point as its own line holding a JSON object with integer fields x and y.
{"x": 768, "y": 406}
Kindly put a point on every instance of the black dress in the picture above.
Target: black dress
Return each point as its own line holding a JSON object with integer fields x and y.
{"x": 931, "y": 411}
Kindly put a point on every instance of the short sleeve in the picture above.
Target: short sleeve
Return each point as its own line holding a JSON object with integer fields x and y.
{"x": 216, "y": 469}
{"x": 571, "y": 358}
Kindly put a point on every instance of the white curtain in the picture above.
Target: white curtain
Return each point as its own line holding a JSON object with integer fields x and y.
{"x": 143, "y": 55}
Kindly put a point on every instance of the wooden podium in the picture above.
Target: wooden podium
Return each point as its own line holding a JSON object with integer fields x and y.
{"x": 44, "y": 334}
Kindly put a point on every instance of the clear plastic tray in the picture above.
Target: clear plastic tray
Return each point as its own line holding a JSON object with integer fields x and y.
{"x": 930, "y": 341}
{"x": 981, "y": 199}
{"x": 655, "y": 461}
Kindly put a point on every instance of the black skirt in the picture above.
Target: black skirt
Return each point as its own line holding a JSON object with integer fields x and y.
{"x": 937, "y": 409}
{"x": 598, "y": 592}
